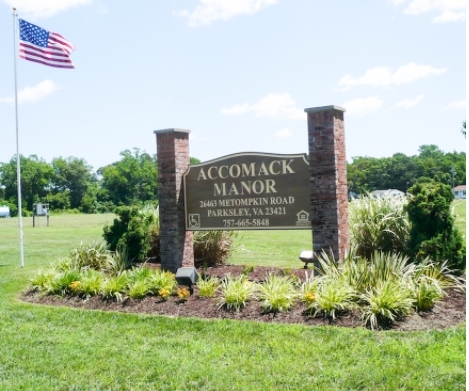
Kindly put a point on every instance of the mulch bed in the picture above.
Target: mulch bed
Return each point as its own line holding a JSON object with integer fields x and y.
{"x": 446, "y": 313}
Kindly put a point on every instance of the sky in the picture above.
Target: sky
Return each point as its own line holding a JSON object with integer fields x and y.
{"x": 237, "y": 74}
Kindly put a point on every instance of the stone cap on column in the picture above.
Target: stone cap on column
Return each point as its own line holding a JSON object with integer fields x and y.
{"x": 171, "y": 130}
{"x": 324, "y": 108}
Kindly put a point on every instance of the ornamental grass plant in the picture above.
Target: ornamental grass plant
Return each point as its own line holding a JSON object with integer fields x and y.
{"x": 208, "y": 286}
{"x": 114, "y": 287}
{"x": 159, "y": 279}
{"x": 94, "y": 256}
{"x": 385, "y": 302}
{"x": 91, "y": 282}
{"x": 235, "y": 292}
{"x": 212, "y": 248}
{"x": 277, "y": 293}
{"x": 378, "y": 224}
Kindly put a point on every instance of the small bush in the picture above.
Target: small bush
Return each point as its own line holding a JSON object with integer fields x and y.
{"x": 138, "y": 289}
{"x": 331, "y": 297}
{"x": 386, "y": 302}
{"x": 208, "y": 286}
{"x": 91, "y": 283}
{"x": 60, "y": 283}
{"x": 433, "y": 233}
{"x": 42, "y": 280}
{"x": 159, "y": 280}
{"x": 114, "y": 287}
{"x": 425, "y": 293}
{"x": 134, "y": 228}
{"x": 95, "y": 256}
{"x": 363, "y": 274}
{"x": 212, "y": 248}
{"x": 378, "y": 224}
{"x": 235, "y": 292}
{"x": 277, "y": 293}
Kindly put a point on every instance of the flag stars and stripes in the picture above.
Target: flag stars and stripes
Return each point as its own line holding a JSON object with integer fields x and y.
{"x": 44, "y": 47}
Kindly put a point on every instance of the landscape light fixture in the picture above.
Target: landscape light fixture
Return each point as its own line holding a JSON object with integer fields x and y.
{"x": 306, "y": 257}
{"x": 187, "y": 276}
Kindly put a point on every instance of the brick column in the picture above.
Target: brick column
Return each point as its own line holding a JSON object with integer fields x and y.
{"x": 177, "y": 248}
{"x": 328, "y": 180}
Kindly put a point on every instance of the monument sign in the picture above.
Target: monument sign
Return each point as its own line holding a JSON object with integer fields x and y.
{"x": 247, "y": 191}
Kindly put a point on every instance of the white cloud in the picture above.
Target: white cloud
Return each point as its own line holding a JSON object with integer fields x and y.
{"x": 271, "y": 106}
{"x": 363, "y": 106}
{"x": 457, "y": 104}
{"x": 409, "y": 103}
{"x": 417, "y": 7}
{"x": 37, "y": 9}
{"x": 450, "y": 16}
{"x": 284, "y": 133}
{"x": 451, "y": 10}
{"x": 384, "y": 76}
{"x": 33, "y": 94}
{"x": 211, "y": 10}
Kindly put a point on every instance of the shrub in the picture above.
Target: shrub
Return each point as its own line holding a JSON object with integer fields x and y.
{"x": 159, "y": 280}
{"x": 134, "y": 228}
{"x": 363, "y": 274}
{"x": 212, "y": 247}
{"x": 95, "y": 256}
{"x": 378, "y": 224}
{"x": 277, "y": 293}
{"x": 208, "y": 286}
{"x": 42, "y": 280}
{"x": 138, "y": 289}
{"x": 121, "y": 260}
{"x": 60, "y": 283}
{"x": 429, "y": 283}
{"x": 90, "y": 283}
{"x": 386, "y": 302}
{"x": 63, "y": 265}
{"x": 235, "y": 292}
{"x": 433, "y": 233}
{"x": 114, "y": 287}
{"x": 332, "y": 296}
{"x": 425, "y": 293}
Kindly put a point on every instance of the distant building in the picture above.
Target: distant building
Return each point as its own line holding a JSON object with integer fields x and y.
{"x": 460, "y": 192}
{"x": 388, "y": 193}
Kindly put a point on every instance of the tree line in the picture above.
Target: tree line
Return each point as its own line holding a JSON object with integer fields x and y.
{"x": 400, "y": 172}
{"x": 71, "y": 184}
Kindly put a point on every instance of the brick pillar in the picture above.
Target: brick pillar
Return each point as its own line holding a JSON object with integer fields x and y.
{"x": 177, "y": 248}
{"x": 328, "y": 180}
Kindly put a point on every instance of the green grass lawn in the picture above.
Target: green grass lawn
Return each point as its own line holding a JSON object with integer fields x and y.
{"x": 459, "y": 210}
{"x": 60, "y": 348}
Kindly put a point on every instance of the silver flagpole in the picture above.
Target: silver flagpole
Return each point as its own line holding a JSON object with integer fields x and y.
{"x": 18, "y": 166}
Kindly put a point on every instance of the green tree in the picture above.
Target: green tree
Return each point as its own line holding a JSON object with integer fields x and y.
{"x": 131, "y": 180}
{"x": 366, "y": 174}
{"x": 35, "y": 174}
{"x": 433, "y": 233}
{"x": 72, "y": 176}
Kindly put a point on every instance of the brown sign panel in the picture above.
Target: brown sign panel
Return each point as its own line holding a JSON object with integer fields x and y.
{"x": 247, "y": 191}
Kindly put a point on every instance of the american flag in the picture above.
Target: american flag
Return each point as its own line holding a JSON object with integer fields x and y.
{"x": 44, "y": 47}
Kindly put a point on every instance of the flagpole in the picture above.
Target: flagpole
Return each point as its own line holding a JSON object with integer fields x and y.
{"x": 18, "y": 166}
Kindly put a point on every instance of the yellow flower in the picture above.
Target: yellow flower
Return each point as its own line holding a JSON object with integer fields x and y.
{"x": 183, "y": 293}
{"x": 164, "y": 293}
{"x": 309, "y": 297}
{"x": 74, "y": 286}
